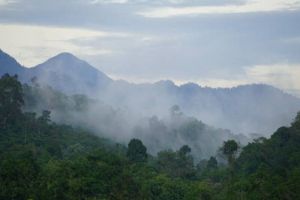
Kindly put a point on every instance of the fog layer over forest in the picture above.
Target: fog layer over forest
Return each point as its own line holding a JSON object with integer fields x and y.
{"x": 162, "y": 114}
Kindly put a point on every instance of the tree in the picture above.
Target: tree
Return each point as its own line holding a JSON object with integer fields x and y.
{"x": 175, "y": 111}
{"x": 45, "y": 117}
{"x": 229, "y": 149}
{"x": 212, "y": 163}
{"x": 185, "y": 162}
{"x": 11, "y": 100}
{"x": 136, "y": 152}
{"x": 19, "y": 171}
{"x": 184, "y": 150}
{"x": 176, "y": 164}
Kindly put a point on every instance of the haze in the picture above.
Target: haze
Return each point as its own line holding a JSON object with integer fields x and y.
{"x": 219, "y": 43}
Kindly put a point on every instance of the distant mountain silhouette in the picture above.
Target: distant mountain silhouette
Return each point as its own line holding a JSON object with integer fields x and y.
{"x": 255, "y": 108}
{"x": 70, "y": 74}
{"x": 9, "y": 65}
{"x": 64, "y": 72}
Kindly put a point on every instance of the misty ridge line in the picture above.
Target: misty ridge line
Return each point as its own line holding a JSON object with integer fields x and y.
{"x": 168, "y": 81}
{"x": 121, "y": 110}
{"x": 65, "y": 64}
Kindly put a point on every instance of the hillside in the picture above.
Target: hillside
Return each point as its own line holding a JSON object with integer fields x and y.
{"x": 247, "y": 109}
{"x": 69, "y": 74}
{"x": 171, "y": 132}
{"x": 43, "y": 160}
{"x": 9, "y": 65}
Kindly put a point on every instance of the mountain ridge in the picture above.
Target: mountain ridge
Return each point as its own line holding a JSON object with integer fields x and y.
{"x": 9, "y": 64}
{"x": 252, "y": 108}
{"x": 64, "y": 58}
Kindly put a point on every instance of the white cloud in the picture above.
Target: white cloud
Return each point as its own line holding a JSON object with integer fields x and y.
{"x": 155, "y": 2}
{"x": 6, "y": 2}
{"x": 292, "y": 40}
{"x": 108, "y": 1}
{"x": 34, "y": 44}
{"x": 247, "y": 7}
{"x": 283, "y": 76}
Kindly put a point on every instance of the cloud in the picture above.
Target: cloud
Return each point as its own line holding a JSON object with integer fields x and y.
{"x": 292, "y": 40}
{"x": 6, "y": 2}
{"x": 35, "y": 44}
{"x": 108, "y": 1}
{"x": 248, "y": 7}
{"x": 208, "y": 50}
{"x": 140, "y": 1}
{"x": 283, "y": 76}
{"x": 150, "y": 3}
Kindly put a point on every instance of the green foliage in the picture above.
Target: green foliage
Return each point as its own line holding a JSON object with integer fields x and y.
{"x": 11, "y": 101}
{"x": 165, "y": 188}
{"x": 269, "y": 168}
{"x": 184, "y": 150}
{"x": 230, "y": 147}
{"x": 43, "y": 160}
{"x": 212, "y": 163}
{"x": 18, "y": 171}
{"x": 178, "y": 164}
{"x": 136, "y": 152}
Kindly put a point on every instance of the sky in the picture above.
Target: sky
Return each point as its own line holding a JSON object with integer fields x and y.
{"x": 216, "y": 43}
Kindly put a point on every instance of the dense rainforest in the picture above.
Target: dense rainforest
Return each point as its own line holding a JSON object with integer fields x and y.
{"x": 41, "y": 159}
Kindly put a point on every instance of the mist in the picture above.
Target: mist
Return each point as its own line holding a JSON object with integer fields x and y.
{"x": 80, "y": 95}
{"x": 160, "y": 116}
{"x": 246, "y": 109}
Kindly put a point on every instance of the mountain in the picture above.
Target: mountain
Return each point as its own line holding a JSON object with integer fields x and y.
{"x": 255, "y": 108}
{"x": 69, "y": 74}
{"x": 170, "y": 132}
{"x": 9, "y": 65}
{"x": 63, "y": 72}
{"x": 251, "y": 109}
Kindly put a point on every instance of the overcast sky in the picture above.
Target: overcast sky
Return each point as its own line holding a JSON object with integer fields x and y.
{"x": 218, "y": 43}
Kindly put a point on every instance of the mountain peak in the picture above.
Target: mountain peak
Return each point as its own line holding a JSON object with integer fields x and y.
{"x": 65, "y": 55}
{"x": 190, "y": 85}
{"x": 65, "y": 61}
{"x": 165, "y": 83}
{"x": 65, "y": 70}
{"x": 66, "y": 58}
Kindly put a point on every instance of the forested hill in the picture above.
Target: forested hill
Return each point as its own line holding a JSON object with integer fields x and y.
{"x": 246, "y": 109}
{"x": 40, "y": 159}
{"x": 170, "y": 132}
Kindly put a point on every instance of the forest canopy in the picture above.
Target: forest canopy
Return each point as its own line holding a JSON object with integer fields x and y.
{"x": 41, "y": 159}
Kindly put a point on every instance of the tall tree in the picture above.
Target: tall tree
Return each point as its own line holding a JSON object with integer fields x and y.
{"x": 11, "y": 100}
{"x": 184, "y": 150}
{"x": 212, "y": 163}
{"x": 136, "y": 152}
{"x": 229, "y": 149}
